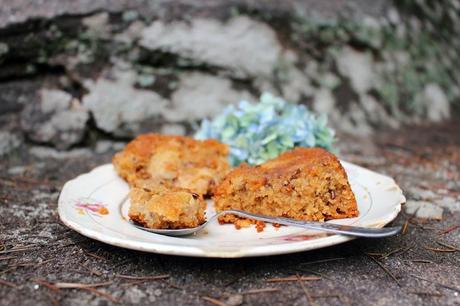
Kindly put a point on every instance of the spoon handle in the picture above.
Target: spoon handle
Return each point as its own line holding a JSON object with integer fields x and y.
{"x": 320, "y": 226}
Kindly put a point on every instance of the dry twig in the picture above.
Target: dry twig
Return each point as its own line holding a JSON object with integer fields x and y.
{"x": 94, "y": 255}
{"x": 405, "y": 227}
{"x": 63, "y": 285}
{"x": 42, "y": 263}
{"x": 103, "y": 294}
{"x": 307, "y": 294}
{"x": 386, "y": 270}
{"x": 448, "y": 245}
{"x": 440, "y": 250}
{"x": 213, "y": 301}
{"x": 292, "y": 279}
{"x": 7, "y": 283}
{"x": 421, "y": 261}
{"x": 303, "y": 270}
{"x": 19, "y": 249}
{"x": 322, "y": 261}
{"x": 263, "y": 290}
{"x": 449, "y": 229}
{"x": 143, "y": 278}
{"x": 47, "y": 285}
{"x": 425, "y": 293}
{"x": 90, "y": 270}
{"x": 52, "y": 299}
{"x": 436, "y": 283}
{"x": 88, "y": 287}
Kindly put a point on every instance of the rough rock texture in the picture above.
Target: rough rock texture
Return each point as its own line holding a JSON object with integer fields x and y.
{"x": 427, "y": 168}
{"x": 8, "y": 142}
{"x": 144, "y": 65}
{"x": 202, "y": 96}
{"x": 424, "y": 210}
{"x": 57, "y": 118}
{"x": 242, "y": 45}
{"x": 121, "y": 109}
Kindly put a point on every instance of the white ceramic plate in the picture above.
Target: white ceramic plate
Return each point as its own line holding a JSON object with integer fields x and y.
{"x": 95, "y": 204}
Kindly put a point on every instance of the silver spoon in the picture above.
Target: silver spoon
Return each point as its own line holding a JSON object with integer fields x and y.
{"x": 320, "y": 226}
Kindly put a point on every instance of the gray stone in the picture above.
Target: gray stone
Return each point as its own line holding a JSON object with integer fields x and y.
{"x": 393, "y": 16}
{"x": 376, "y": 113}
{"x": 45, "y": 152}
{"x": 234, "y": 300}
{"x": 133, "y": 295}
{"x": 323, "y": 101}
{"x": 103, "y": 146}
{"x": 422, "y": 194}
{"x": 435, "y": 102}
{"x": 296, "y": 85}
{"x": 97, "y": 24}
{"x": 54, "y": 100}
{"x": 354, "y": 121}
{"x": 18, "y": 170}
{"x": 173, "y": 129}
{"x": 201, "y": 95}
{"x": 225, "y": 45}
{"x": 119, "y": 108}
{"x": 8, "y": 142}
{"x": 358, "y": 67}
{"x": 57, "y": 119}
{"x": 329, "y": 80}
{"x": 131, "y": 34}
{"x": 424, "y": 210}
{"x": 449, "y": 203}
{"x": 22, "y": 10}
{"x": 3, "y": 48}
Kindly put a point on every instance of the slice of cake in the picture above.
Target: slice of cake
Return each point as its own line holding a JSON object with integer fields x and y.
{"x": 303, "y": 184}
{"x": 168, "y": 176}
{"x": 178, "y": 161}
{"x": 154, "y": 205}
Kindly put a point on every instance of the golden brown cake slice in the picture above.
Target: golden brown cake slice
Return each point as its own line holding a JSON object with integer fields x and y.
{"x": 303, "y": 184}
{"x": 177, "y": 161}
{"x": 168, "y": 176}
{"x": 154, "y": 205}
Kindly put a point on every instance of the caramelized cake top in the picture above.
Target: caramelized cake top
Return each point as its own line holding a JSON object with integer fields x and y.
{"x": 178, "y": 160}
{"x": 287, "y": 166}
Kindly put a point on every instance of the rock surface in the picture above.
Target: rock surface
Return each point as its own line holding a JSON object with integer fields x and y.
{"x": 423, "y": 210}
{"x": 231, "y": 45}
{"x": 358, "y": 68}
{"x": 137, "y": 65}
{"x": 8, "y": 142}
{"x": 121, "y": 109}
{"x": 437, "y": 105}
{"x": 30, "y": 181}
{"x": 57, "y": 118}
{"x": 202, "y": 96}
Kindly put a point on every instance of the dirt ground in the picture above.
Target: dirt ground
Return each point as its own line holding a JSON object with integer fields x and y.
{"x": 419, "y": 267}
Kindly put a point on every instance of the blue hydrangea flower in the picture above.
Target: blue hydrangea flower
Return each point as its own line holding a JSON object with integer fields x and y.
{"x": 257, "y": 132}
